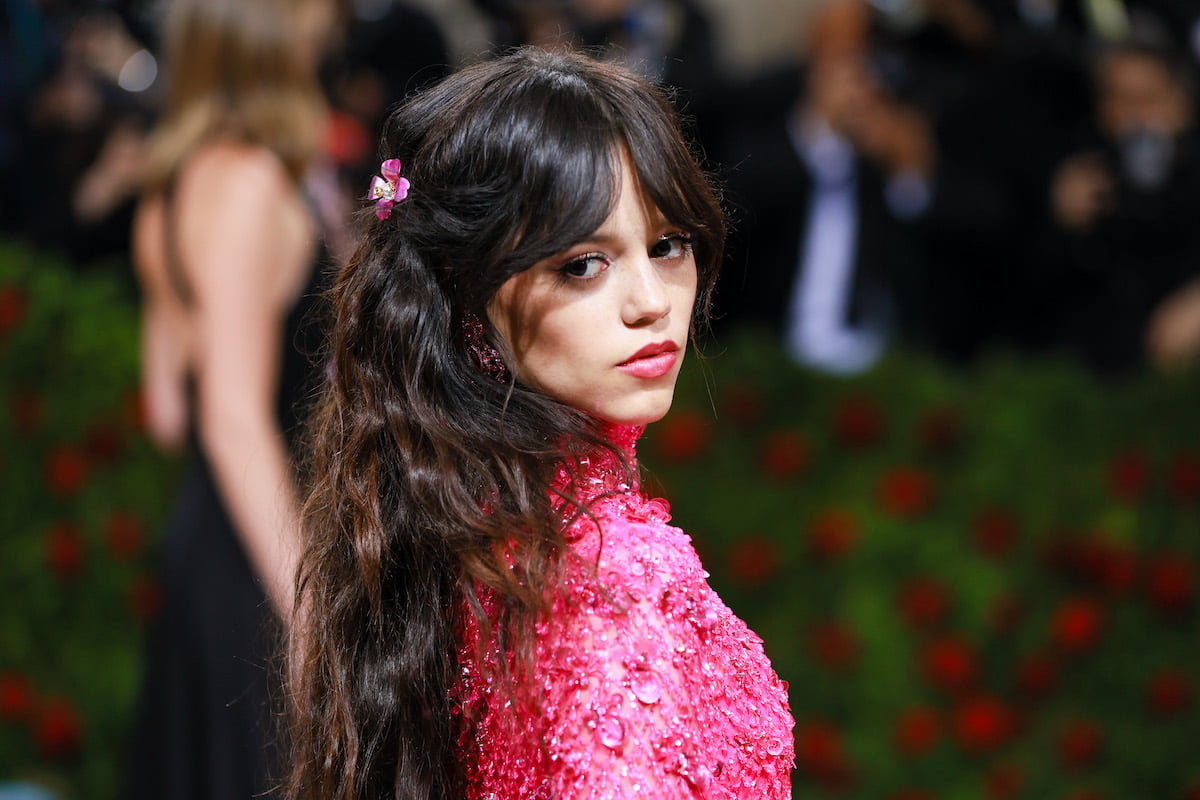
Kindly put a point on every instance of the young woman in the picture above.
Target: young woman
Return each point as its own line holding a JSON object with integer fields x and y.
{"x": 488, "y": 606}
{"x": 227, "y": 253}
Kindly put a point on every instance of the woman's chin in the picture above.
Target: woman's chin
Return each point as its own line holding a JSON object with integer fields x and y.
{"x": 642, "y": 412}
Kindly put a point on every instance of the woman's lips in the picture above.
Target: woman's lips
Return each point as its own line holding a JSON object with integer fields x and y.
{"x": 652, "y": 361}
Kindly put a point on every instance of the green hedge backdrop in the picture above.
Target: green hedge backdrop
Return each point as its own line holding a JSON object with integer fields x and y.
{"x": 979, "y": 584}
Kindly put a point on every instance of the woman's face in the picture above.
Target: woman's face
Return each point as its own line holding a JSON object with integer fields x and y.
{"x": 603, "y": 326}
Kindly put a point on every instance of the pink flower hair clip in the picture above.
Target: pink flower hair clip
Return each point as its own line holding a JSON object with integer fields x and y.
{"x": 388, "y": 190}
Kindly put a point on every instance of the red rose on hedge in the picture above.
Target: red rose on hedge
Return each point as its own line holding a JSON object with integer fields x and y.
{"x": 27, "y": 411}
{"x": 983, "y": 724}
{"x": 135, "y": 411}
{"x": 785, "y": 454}
{"x": 950, "y": 663}
{"x": 743, "y": 403}
{"x": 1113, "y": 566}
{"x": 13, "y": 305}
{"x": 923, "y": 602}
{"x": 995, "y": 532}
{"x": 1183, "y": 477}
{"x": 940, "y": 429}
{"x": 906, "y": 492}
{"x": 1171, "y": 583}
{"x": 1080, "y": 743}
{"x": 123, "y": 534}
{"x": 145, "y": 598}
{"x": 832, "y": 533}
{"x": 1128, "y": 475}
{"x": 103, "y": 443}
{"x": 64, "y": 551}
{"x": 834, "y": 645}
{"x": 1037, "y": 676}
{"x": 1062, "y": 552}
{"x": 16, "y": 697}
{"x": 681, "y": 436}
{"x": 66, "y": 470}
{"x": 753, "y": 560}
{"x": 917, "y": 731}
{"x": 1003, "y": 781}
{"x": 1077, "y": 624}
{"x": 818, "y": 744}
{"x": 1169, "y": 692}
{"x": 58, "y": 729}
{"x": 819, "y": 753}
{"x": 1005, "y": 612}
{"x": 858, "y": 421}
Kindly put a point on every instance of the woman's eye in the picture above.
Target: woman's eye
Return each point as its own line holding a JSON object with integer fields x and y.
{"x": 585, "y": 267}
{"x": 674, "y": 246}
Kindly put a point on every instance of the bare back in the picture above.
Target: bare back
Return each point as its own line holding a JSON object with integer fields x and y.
{"x": 241, "y": 245}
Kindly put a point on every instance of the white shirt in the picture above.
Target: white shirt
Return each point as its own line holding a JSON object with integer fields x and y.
{"x": 817, "y": 333}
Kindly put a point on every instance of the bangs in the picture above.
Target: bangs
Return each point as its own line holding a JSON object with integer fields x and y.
{"x": 676, "y": 186}
{"x": 673, "y": 180}
{"x": 570, "y": 176}
{"x": 571, "y": 162}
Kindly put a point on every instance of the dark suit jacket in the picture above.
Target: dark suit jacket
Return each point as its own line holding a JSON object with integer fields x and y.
{"x": 769, "y": 194}
{"x": 1115, "y": 274}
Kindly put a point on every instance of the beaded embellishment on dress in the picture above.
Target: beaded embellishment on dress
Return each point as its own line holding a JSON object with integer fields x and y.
{"x": 644, "y": 684}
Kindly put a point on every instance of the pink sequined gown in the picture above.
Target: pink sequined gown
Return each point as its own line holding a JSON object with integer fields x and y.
{"x": 649, "y": 686}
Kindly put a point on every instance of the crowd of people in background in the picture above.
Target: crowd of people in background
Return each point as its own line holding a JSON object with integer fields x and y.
{"x": 952, "y": 175}
{"x": 962, "y": 175}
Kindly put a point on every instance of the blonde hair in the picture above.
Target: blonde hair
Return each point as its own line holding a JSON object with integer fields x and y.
{"x": 234, "y": 69}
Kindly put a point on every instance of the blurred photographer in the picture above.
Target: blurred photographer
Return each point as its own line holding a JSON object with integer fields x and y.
{"x": 829, "y": 191}
{"x": 1124, "y": 204}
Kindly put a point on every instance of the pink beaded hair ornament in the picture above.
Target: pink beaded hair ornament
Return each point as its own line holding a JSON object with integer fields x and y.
{"x": 389, "y": 189}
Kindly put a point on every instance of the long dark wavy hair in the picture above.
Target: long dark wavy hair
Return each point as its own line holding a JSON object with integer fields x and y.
{"x": 431, "y": 480}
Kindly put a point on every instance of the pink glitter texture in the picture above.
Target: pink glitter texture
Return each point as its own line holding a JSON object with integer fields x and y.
{"x": 644, "y": 683}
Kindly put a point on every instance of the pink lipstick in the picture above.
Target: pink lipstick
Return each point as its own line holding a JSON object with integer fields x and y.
{"x": 652, "y": 361}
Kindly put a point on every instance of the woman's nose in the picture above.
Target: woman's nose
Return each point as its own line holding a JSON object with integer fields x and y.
{"x": 647, "y": 299}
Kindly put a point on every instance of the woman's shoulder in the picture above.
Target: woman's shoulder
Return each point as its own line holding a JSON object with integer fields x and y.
{"x": 235, "y": 172}
{"x": 628, "y": 539}
{"x": 229, "y": 190}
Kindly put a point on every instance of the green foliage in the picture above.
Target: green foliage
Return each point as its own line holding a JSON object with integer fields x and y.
{"x": 979, "y": 584}
{"x": 82, "y": 493}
